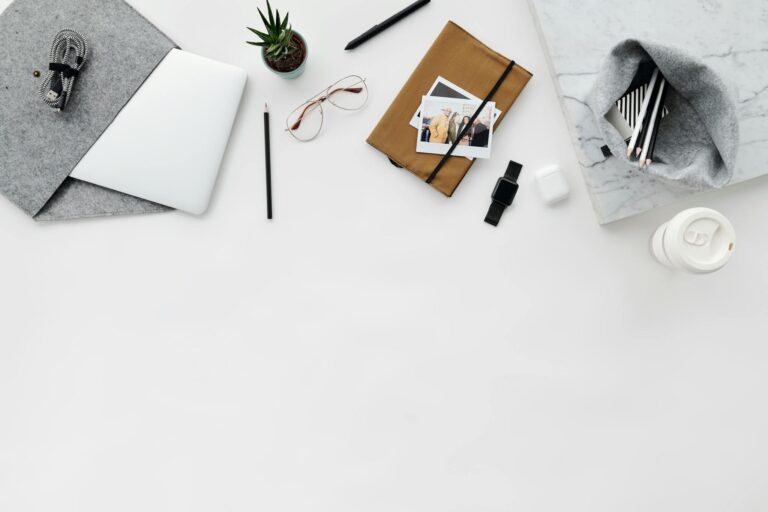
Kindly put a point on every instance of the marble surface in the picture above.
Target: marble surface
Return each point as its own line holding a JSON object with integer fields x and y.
{"x": 731, "y": 37}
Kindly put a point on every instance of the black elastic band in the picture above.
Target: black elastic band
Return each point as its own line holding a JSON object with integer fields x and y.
{"x": 471, "y": 121}
{"x": 64, "y": 69}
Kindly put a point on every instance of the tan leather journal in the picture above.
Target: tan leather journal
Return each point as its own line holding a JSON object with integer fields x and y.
{"x": 462, "y": 59}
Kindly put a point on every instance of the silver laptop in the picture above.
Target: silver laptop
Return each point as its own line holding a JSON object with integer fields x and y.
{"x": 167, "y": 143}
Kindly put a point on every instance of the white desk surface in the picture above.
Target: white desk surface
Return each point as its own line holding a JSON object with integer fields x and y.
{"x": 378, "y": 347}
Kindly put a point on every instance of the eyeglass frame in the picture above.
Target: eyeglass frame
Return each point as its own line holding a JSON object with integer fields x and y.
{"x": 318, "y": 99}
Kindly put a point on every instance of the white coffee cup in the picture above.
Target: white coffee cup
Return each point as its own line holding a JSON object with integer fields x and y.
{"x": 697, "y": 240}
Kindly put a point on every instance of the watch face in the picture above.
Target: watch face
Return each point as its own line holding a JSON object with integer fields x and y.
{"x": 505, "y": 191}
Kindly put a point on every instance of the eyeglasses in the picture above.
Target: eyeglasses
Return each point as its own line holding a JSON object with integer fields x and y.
{"x": 349, "y": 93}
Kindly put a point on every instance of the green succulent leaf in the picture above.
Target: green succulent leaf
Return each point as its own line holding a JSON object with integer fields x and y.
{"x": 262, "y": 35}
{"x": 269, "y": 11}
{"x": 266, "y": 23}
{"x": 278, "y": 35}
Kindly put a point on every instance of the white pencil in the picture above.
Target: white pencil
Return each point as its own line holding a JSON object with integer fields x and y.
{"x": 643, "y": 110}
{"x": 656, "y": 113}
{"x": 655, "y": 133}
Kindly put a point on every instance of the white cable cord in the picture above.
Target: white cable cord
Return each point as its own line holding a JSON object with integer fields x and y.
{"x": 68, "y": 54}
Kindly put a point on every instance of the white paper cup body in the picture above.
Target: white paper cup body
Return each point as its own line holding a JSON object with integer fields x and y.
{"x": 657, "y": 246}
{"x": 697, "y": 240}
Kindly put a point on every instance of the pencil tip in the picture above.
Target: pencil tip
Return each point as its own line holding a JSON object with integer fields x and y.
{"x": 266, "y": 109}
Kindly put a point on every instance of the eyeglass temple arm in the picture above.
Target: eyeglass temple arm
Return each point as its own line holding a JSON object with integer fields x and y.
{"x": 296, "y": 125}
{"x": 355, "y": 90}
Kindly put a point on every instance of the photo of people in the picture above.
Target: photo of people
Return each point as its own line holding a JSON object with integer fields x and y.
{"x": 443, "y": 120}
{"x": 444, "y": 88}
{"x": 464, "y": 122}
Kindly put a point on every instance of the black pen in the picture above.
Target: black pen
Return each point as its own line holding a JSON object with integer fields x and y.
{"x": 386, "y": 24}
{"x": 268, "y": 162}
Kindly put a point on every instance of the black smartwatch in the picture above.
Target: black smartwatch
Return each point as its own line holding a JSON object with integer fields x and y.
{"x": 504, "y": 193}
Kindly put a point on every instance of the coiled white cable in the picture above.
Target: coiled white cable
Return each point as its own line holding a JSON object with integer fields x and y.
{"x": 68, "y": 54}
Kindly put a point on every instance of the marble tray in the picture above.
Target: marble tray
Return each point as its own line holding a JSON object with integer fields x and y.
{"x": 731, "y": 37}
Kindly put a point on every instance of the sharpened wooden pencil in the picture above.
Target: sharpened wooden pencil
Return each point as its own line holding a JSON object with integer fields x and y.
{"x": 655, "y": 132}
{"x": 268, "y": 161}
{"x": 643, "y": 110}
{"x": 652, "y": 126}
{"x": 652, "y": 95}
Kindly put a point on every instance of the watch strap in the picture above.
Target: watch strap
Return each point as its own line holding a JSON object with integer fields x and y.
{"x": 513, "y": 171}
{"x": 495, "y": 212}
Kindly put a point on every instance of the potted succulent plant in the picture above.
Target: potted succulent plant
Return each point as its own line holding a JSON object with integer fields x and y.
{"x": 284, "y": 50}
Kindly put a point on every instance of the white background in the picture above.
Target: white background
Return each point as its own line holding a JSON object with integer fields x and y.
{"x": 377, "y": 347}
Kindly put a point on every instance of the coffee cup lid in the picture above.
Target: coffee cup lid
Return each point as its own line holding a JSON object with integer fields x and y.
{"x": 700, "y": 240}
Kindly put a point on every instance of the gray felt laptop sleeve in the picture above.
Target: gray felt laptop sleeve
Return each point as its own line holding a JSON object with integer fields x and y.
{"x": 39, "y": 147}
